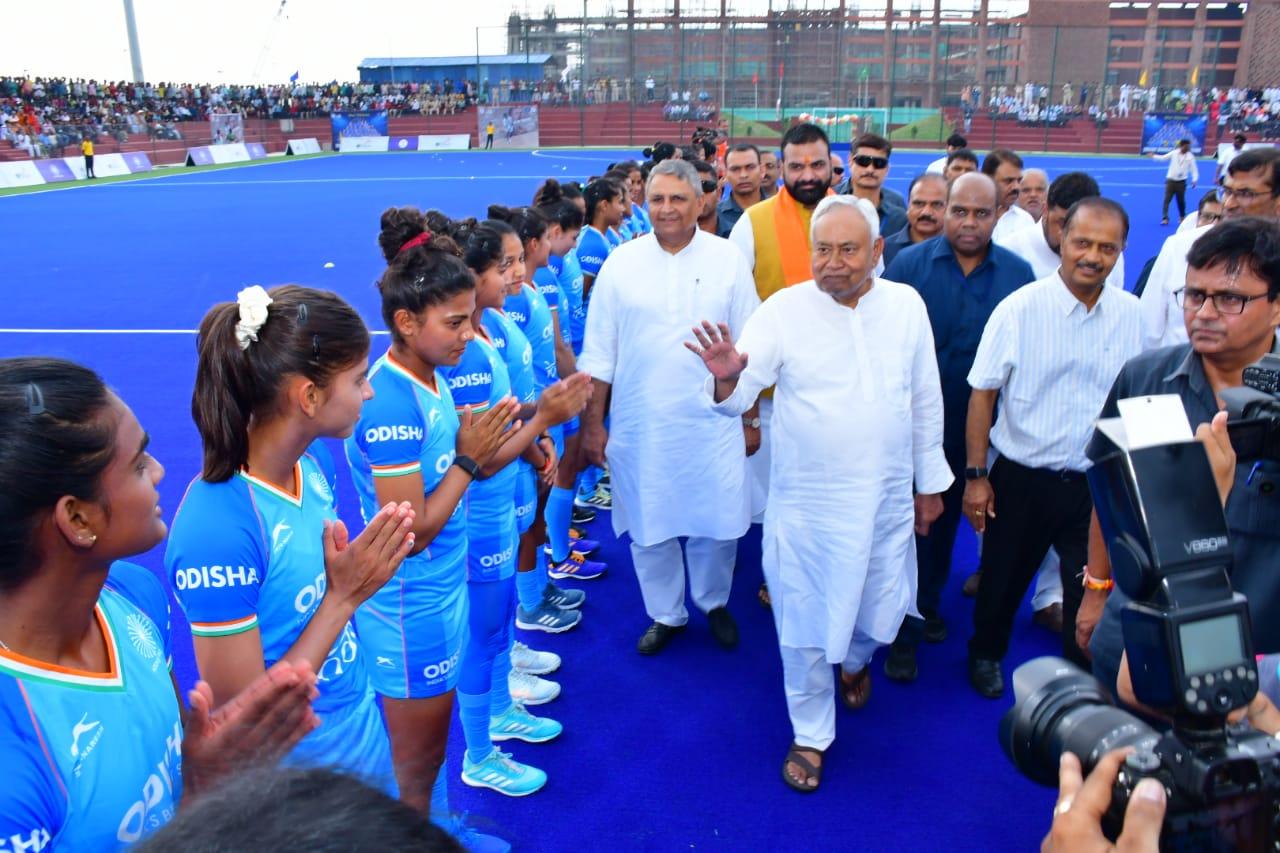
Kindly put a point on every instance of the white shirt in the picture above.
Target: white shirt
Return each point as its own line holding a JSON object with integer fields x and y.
{"x": 938, "y": 166}
{"x": 1030, "y": 244}
{"x": 1181, "y": 166}
{"x": 677, "y": 468}
{"x": 1191, "y": 223}
{"x": 1014, "y": 219}
{"x": 1054, "y": 363}
{"x": 1163, "y": 323}
{"x": 857, "y": 420}
{"x": 743, "y": 235}
{"x": 1227, "y": 153}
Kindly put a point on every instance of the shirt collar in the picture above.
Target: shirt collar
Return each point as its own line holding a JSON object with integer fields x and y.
{"x": 1191, "y": 367}
{"x": 942, "y": 249}
{"x": 1067, "y": 301}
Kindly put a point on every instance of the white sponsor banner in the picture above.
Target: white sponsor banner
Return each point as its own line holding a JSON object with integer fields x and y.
{"x": 107, "y": 165}
{"x": 20, "y": 173}
{"x": 452, "y": 142}
{"x": 364, "y": 143}
{"x": 234, "y": 153}
{"x": 303, "y": 146}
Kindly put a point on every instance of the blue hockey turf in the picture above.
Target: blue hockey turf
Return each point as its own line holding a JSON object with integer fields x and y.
{"x": 677, "y": 752}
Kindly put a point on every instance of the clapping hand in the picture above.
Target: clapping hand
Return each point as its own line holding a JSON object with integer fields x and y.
{"x": 715, "y": 348}
{"x": 357, "y": 569}
{"x": 480, "y": 436}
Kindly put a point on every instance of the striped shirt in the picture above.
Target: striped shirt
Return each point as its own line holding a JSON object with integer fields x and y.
{"x": 1053, "y": 362}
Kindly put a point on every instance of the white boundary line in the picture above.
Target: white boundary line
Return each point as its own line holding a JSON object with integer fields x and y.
{"x": 157, "y": 173}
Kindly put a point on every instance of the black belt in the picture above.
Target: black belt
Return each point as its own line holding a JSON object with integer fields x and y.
{"x": 1066, "y": 475}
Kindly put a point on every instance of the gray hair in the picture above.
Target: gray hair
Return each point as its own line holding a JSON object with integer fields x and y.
{"x": 681, "y": 169}
{"x": 861, "y": 205}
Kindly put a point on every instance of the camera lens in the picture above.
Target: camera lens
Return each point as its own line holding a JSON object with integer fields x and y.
{"x": 1060, "y": 708}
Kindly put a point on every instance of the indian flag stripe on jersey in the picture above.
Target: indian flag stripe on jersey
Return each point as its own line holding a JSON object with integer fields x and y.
{"x": 24, "y": 667}
{"x": 272, "y": 488}
{"x": 395, "y": 470}
{"x": 222, "y": 629}
{"x": 398, "y": 368}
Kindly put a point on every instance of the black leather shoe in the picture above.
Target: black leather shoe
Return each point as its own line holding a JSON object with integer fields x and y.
{"x": 985, "y": 677}
{"x": 723, "y": 628}
{"x": 900, "y": 665}
{"x": 935, "y": 630}
{"x": 657, "y": 637}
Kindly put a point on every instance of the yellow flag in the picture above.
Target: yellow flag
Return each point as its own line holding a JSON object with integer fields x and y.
{"x": 1142, "y": 78}
{"x": 1195, "y": 75}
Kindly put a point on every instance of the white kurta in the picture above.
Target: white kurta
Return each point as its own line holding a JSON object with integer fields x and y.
{"x": 1014, "y": 219}
{"x": 857, "y": 418}
{"x": 678, "y": 469}
{"x": 1163, "y": 321}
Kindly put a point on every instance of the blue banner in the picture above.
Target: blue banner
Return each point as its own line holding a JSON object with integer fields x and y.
{"x": 364, "y": 124}
{"x": 1161, "y": 131}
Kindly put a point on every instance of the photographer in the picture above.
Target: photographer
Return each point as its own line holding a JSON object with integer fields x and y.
{"x": 1077, "y": 816}
{"x": 1231, "y": 309}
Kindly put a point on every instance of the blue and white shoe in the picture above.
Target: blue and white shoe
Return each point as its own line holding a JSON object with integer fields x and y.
{"x": 585, "y": 547}
{"x": 577, "y": 566}
{"x": 564, "y": 599}
{"x": 498, "y": 772}
{"x": 530, "y": 689}
{"x": 547, "y": 618}
{"x": 600, "y": 499}
{"x": 531, "y": 661}
{"x": 472, "y": 840}
{"x": 519, "y": 724}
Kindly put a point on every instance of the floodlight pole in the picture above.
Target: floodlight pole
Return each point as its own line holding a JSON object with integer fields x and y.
{"x": 135, "y": 52}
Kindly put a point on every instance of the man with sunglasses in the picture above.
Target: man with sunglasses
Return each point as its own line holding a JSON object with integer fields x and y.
{"x": 1230, "y": 302}
{"x": 708, "y": 206}
{"x": 868, "y": 167}
{"x": 1251, "y": 188}
{"x": 837, "y": 168}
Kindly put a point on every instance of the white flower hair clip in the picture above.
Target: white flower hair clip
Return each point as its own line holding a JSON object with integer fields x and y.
{"x": 253, "y": 302}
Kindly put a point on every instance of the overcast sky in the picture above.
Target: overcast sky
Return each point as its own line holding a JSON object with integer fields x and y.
{"x": 239, "y": 41}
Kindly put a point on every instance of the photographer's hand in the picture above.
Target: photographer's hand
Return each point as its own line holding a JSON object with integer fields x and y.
{"x": 1077, "y": 818}
{"x": 1222, "y": 456}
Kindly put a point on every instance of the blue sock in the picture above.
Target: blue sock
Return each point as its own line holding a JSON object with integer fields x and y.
{"x": 500, "y": 692}
{"x": 540, "y": 571}
{"x": 558, "y": 514}
{"x": 473, "y": 710}
{"x": 529, "y": 586}
{"x": 440, "y": 796}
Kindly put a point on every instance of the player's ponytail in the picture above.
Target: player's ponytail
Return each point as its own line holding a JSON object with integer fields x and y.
{"x": 427, "y": 272}
{"x": 305, "y": 332}
{"x": 57, "y": 442}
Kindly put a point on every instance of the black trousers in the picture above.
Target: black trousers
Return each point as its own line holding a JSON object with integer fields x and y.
{"x": 933, "y": 554}
{"x": 1176, "y": 190}
{"x": 88, "y": 166}
{"x": 1035, "y": 509}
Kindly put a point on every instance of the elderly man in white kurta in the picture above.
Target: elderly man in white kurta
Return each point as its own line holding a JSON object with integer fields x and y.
{"x": 678, "y": 468}
{"x": 859, "y": 413}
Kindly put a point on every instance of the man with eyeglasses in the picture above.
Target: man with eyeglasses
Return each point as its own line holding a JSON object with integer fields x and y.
{"x": 742, "y": 168}
{"x": 1049, "y": 354}
{"x": 1251, "y": 188}
{"x": 868, "y": 167}
{"x": 962, "y": 276}
{"x": 926, "y": 202}
{"x": 1230, "y": 302}
{"x": 1207, "y": 212}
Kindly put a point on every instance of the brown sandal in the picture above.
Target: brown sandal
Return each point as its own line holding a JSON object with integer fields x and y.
{"x": 763, "y": 595}
{"x": 855, "y": 688}
{"x": 810, "y": 771}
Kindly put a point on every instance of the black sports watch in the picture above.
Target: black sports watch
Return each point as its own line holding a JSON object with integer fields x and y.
{"x": 471, "y": 466}
{"x": 975, "y": 473}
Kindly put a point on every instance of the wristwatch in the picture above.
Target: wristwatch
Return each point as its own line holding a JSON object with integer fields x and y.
{"x": 975, "y": 473}
{"x": 754, "y": 423}
{"x": 471, "y": 466}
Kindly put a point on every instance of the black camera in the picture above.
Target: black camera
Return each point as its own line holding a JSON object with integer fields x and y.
{"x": 1253, "y": 411}
{"x": 1190, "y": 654}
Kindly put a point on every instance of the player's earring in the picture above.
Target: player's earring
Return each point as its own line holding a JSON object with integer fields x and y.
{"x": 89, "y": 539}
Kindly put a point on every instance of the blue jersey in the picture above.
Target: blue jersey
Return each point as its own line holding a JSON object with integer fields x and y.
{"x": 480, "y": 380}
{"x": 529, "y": 311}
{"x": 407, "y": 427}
{"x": 593, "y": 248}
{"x": 92, "y": 760}
{"x": 246, "y": 554}
{"x": 614, "y": 237}
{"x": 516, "y": 351}
{"x": 640, "y": 222}
{"x": 550, "y": 283}
{"x": 572, "y": 292}
{"x": 414, "y": 627}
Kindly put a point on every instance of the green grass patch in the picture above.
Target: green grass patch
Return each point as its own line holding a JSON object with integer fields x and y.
{"x": 930, "y": 127}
